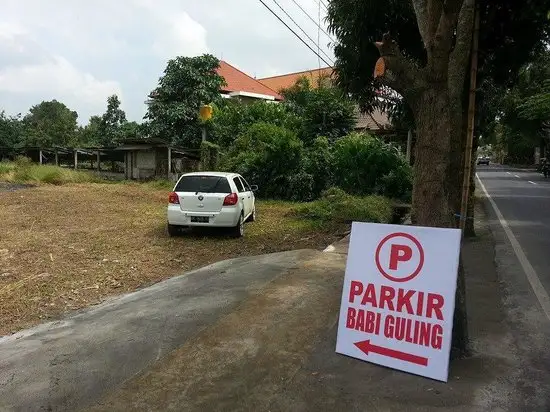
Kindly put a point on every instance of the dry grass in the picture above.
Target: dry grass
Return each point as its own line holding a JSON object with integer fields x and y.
{"x": 67, "y": 247}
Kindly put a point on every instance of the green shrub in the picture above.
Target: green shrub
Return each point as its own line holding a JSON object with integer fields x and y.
{"x": 233, "y": 118}
{"x": 317, "y": 161}
{"x": 300, "y": 187}
{"x": 267, "y": 156}
{"x": 366, "y": 165}
{"x": 336, "y": 207}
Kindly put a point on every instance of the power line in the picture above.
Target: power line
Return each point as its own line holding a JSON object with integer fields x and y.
{"x": 313, "y": 20}
{"x": 293, "y": 32}
{"x": 319, "y": 32}
{"x": 323, "y": 3}
{"x": 303, "y": 31}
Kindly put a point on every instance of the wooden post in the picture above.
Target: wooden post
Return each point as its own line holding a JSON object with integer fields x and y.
{"x": 56, "y": 158}
{"x": 75, "y": 159}
{"x": 98, "y": 160}
{"x": 40, "y": 156}
{"x": 409, "y": 145}
{"x": 204, "y": 134}
{"x": 471, "y": 118}
{"x": 169, "y": 161}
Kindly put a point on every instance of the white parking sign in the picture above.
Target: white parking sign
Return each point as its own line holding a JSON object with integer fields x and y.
{"x": 398, "y": 297}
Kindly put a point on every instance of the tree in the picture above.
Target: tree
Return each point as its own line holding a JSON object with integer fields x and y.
{"x": 425, "y": 60}
{"x": 50, "y": 123}
{"x": 325, "y": 110}
{"x": 524, "y": 110}
{"x": 110, "y": 130}
{"x": 131, "y": 130}
{"x": 89, "y": 135}
{"x": 429, "y": 46}
{"x": 233, "y": 117}
{"x": 187, "y": 83}
{"x": 11, "y": 131}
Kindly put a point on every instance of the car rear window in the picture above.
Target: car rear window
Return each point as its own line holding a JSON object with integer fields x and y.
{"x": 204, "y": 184}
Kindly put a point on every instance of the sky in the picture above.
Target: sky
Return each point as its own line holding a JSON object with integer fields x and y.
{"x": 80, "y": 52}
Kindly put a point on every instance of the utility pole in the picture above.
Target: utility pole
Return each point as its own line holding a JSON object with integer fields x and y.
{"x": 471, "y": 118}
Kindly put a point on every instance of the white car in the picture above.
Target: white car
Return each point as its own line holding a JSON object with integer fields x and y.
{"x": 211, "y": 199}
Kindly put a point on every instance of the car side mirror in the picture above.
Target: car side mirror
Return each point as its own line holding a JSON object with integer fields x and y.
{"x": 254, "y": 187}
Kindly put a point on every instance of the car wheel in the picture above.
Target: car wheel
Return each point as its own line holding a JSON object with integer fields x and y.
{"x": 252, "y": 217}
{"x": 173, "y": 230}
{"x": 238, "y": 230}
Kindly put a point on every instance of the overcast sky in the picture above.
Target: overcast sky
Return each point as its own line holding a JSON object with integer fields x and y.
{"x": 80, "y": 51}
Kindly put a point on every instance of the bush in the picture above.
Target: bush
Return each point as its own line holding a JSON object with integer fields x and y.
{"x": 268, "y": 156}
{"x": 234, "y": 118}
{"x": 317, "y": 161}
{"x": 366, "y": 165}
{"x": 336, "y": 207}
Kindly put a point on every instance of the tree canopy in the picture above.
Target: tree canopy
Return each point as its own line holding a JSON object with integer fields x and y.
{"x": 11, "y": 131}
{"x": 110, "y": 129}
{"x": 49, "y": 124}
{"x": 173, "y": 107}
{"x": 325, "y": 110}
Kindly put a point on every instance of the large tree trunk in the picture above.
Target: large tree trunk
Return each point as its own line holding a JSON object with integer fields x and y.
{"x": 433, "y": 205}
{"x": 435, "y": 94}
{"x": 430, "y": 205}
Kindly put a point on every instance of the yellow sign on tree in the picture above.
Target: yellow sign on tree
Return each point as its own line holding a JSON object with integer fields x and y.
{"x": 205, "y": 112}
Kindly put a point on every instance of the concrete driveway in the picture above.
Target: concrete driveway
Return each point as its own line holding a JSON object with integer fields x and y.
{"x": 69, "y": 364}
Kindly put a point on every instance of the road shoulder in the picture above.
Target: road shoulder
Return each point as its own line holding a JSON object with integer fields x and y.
{"x": 525, "y": 319}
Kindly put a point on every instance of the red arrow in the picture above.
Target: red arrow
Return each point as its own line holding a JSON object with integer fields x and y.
{"x": 367, "y": 347}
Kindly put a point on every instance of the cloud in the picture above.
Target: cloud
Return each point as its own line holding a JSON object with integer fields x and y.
{"x": 79, "y": 52}
{"x": 30, "y": 72}
{"x": 57, "y": 77}
{"x": 185, "y": 37}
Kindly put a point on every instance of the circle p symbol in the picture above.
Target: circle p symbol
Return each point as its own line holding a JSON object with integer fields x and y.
{"x": 399, "y": 257}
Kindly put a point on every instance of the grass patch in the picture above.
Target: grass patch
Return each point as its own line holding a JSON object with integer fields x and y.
{"x": 336, "y": 207}
{"x": 24, "y": 171}
{"x": 100, "y": 240}
{"x": 160, "y": 184}
{"x": 6, "y": 168}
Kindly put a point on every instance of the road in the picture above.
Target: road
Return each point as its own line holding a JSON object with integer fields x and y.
{"x": 523, "y": 199}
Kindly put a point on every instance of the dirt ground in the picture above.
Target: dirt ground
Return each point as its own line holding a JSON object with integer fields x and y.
{"x": 66, "y": 247}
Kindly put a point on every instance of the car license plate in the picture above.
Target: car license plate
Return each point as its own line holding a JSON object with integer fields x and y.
{"x": 200, "y": 219}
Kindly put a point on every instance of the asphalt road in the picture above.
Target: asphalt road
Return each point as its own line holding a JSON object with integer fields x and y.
{"x": 523, "y": 198}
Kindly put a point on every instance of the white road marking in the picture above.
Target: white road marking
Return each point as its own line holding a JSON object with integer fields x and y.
{"x": 530, "y": 273}
{"x": 533, "y": 183}
{"x": 516, "y": 176}
{"x": 509, "y": 173}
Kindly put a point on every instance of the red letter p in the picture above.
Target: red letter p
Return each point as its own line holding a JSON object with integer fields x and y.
{"x": 399, "y": 253}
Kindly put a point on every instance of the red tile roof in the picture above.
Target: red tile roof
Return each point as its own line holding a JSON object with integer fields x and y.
{"x": 237, "y": 81}
{"x": 285, "y": 81}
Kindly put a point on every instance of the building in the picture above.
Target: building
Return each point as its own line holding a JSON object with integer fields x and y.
{"x": 284, "y": 81}
{"x": 155, "y": 158}
{"x": 243, "y": 87}
{"x": 376, "y": 121}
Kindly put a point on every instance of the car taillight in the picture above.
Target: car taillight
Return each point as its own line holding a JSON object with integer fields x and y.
{"x": 231, "y": 200}
{"x": 173, "y": 198}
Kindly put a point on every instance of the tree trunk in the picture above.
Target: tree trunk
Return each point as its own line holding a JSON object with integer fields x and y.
{"x": 432, "y": 204}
